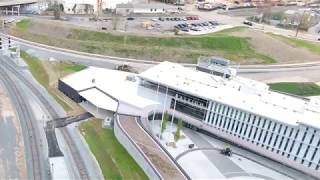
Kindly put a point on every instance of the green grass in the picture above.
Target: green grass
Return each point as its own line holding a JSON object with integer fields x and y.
{"x": 36, "y": 68}
{"x": 300, "y": 89}
{"x": 184, "y": 49}
{"x": 70, "y": 68}
{"x": 311, "y": 46}
{"x": 229, "y": 31}
{"x": 39, "y": 73}
{"x": 114, "y": 160}
{"x": 23, "y": 25}
{"x": 226, "y": 43}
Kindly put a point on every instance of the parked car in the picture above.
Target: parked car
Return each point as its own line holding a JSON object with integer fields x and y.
{"x": 247, "y": 23}
{"x": 227, "y": 151}
{"x": 130, "y": 18}
{"x": 184, "y": 29}
{"x": 194, "y": 29}
{"x": 161, "y": 19}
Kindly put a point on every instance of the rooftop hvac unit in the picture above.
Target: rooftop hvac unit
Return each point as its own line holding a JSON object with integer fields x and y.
{"x": 216, "y": 66}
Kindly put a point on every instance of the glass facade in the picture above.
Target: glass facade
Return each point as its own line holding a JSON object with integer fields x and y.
{"x": 298, "y": 143}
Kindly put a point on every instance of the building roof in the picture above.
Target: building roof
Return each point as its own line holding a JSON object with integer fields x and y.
{"x": 100, "y": 99}
{"x": 242, "y": 93}
{"x": 143, "y": 5}
{"x": 16, "y": 2}
{"x": 124, "y": 5}
{"x": 111, "y": 83}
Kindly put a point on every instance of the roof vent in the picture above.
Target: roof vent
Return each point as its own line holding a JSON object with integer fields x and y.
{"x": 131, "y": 78}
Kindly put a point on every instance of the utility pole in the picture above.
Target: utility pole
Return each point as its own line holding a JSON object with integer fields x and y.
{"x": 99, "y": 8}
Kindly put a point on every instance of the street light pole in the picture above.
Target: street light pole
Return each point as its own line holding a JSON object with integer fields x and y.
{"x": 164, "y": 107}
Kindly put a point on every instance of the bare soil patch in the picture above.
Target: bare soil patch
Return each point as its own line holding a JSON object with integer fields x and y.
{"x": 277, "y": 49}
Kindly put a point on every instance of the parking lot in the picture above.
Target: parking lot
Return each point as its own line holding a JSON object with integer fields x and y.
{"x": 170, "y": 25}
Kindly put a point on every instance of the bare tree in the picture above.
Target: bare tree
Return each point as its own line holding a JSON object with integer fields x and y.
{"x": 304, "y": 22}
{"x": 56, "y": 10}
{"x": 264, "y": 9}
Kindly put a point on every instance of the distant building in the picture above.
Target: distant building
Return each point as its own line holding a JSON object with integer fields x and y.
{"x": 83, "y": 5}
{"x": 9, "y": 7}
{"x": 151, "y": 8}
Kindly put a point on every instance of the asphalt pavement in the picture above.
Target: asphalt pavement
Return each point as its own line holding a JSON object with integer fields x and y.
{"x": 299, "y": 72}
{"x": 228, "y": 166}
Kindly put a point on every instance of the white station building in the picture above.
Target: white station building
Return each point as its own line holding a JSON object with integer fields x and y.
{"x": 282, "y": 127}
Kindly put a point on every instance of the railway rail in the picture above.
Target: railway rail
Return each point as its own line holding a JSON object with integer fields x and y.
{"x": 26, "y": 119}
{"x": 78, "y": 160}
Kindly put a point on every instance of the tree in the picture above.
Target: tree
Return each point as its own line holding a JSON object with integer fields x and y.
{"x": 164, "y": 122}
{"x": 304, "y": 22}
{"x": 177, "y": 134}
{"x": 264, "y": 8}
{"x": 56, "y": 10}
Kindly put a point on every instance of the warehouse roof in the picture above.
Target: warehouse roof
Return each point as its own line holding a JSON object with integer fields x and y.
{"x": 16, "y": 2}
{"x": 238, "y": 92}
{"x": 112, "y": 83}
{"x": 100, "y": 99}
{"x": 242, "y": 93}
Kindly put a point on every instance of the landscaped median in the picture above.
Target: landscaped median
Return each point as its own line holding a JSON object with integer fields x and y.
{"x": 114, "y": 160}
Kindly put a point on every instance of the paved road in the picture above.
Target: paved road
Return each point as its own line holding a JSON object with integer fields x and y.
{"x": 205, "y": 141}
{"x": 269, "y": 73}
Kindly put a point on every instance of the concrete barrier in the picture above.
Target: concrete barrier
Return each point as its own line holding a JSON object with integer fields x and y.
{"x": 135, "y": 151}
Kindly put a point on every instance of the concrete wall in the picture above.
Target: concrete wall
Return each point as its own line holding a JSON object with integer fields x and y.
{"x": 134, "y": 151}
{"x": 246, "y": 144}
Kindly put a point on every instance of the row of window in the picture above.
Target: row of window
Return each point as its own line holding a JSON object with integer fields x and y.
{"x": 298, "y": 144}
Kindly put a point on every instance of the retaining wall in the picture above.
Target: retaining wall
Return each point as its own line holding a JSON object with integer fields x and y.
{"x": 134, "y": 151}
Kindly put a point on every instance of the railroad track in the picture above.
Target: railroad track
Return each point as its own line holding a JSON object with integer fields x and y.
{"x": 79, "y": 162}
{"x": 26, "y": 118}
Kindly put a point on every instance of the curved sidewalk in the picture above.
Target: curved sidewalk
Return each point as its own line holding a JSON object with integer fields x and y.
{"x": 160, "y": 160}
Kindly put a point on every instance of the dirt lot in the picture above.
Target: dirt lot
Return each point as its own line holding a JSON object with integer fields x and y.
{"x": 277, "y": 49}
{"x": 12, "y": 158}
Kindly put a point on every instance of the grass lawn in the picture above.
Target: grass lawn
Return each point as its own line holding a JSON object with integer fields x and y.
{"x": 311, "y": 46}
{"x": 301, "y": 89}
{"x": 184, "y": 49}
{"x": 23, "y": 25}
{"x": 40, "y": 74}
{"x": 114, "y": 160}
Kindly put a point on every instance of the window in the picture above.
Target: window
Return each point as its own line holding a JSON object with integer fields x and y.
{"x": 315, "y": 151}
{"x": 251, "y": 127}
{"x": 294, "y": 141}
{"x": 267, "y": 132}
{"x": 288, "y": 139}
{"x": 275, "y": 141}
{"x": 230, "y": 119}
